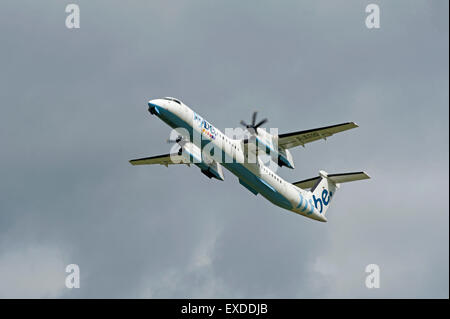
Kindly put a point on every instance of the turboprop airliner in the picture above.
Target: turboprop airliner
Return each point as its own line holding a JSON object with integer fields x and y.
{"x": 202, "y": 144}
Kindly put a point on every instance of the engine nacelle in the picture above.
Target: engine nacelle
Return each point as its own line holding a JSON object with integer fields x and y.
{"x": 207, "y": 165}
{"x": 285, "y": 158}
{"x": 268, "y": 143}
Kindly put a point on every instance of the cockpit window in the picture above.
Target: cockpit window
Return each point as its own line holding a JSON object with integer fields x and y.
{"x": 172, "y": 99}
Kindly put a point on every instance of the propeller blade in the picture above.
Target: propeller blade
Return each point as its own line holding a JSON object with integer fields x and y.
{"x": 252, "y": 128}
{"x": 177, "y": 140}
{"x": 244, "y": 124}
{"x": 261, "y": 123}
{"x": 254, "y": 118}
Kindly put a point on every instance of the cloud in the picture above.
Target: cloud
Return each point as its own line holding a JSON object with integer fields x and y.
{"x": 35, "y": 271}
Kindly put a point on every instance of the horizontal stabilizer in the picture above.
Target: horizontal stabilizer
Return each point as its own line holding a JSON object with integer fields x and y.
{"x": 348, "y": 177}
{"x": 335, "y": 178}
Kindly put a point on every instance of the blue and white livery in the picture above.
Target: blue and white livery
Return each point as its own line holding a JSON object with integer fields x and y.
{"x": 205, "y": 146}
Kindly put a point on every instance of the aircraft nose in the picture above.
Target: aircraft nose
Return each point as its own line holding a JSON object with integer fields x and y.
{"x": 153, "y": 107}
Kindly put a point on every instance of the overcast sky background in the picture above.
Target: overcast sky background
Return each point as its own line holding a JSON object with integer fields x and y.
{"x": 74, "y": 112}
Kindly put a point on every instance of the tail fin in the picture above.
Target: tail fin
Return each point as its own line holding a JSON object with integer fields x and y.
{"x": 323, "y": 187}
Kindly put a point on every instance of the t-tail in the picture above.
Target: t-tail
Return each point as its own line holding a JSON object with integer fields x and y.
{"x": 324, "y": 186}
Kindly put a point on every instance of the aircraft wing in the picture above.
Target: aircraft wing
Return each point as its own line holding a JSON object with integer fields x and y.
{"x": 294, "y": 139}
{"x": 165, "y": 159}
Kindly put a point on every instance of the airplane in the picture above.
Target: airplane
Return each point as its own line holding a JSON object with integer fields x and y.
{"x": 207, "y": 147}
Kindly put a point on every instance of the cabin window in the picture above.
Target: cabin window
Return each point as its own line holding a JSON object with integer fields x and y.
{"x": 172, "y": 99}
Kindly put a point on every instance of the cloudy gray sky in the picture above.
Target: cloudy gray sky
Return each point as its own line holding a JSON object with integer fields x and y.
{"x": 74, "y": 112}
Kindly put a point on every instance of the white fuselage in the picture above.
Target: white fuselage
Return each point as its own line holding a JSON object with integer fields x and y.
{"x": 253, "y": 175}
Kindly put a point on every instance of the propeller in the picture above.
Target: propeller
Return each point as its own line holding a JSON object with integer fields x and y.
{"x": 177, "y": 140}
{"x": 254, "y": 125}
